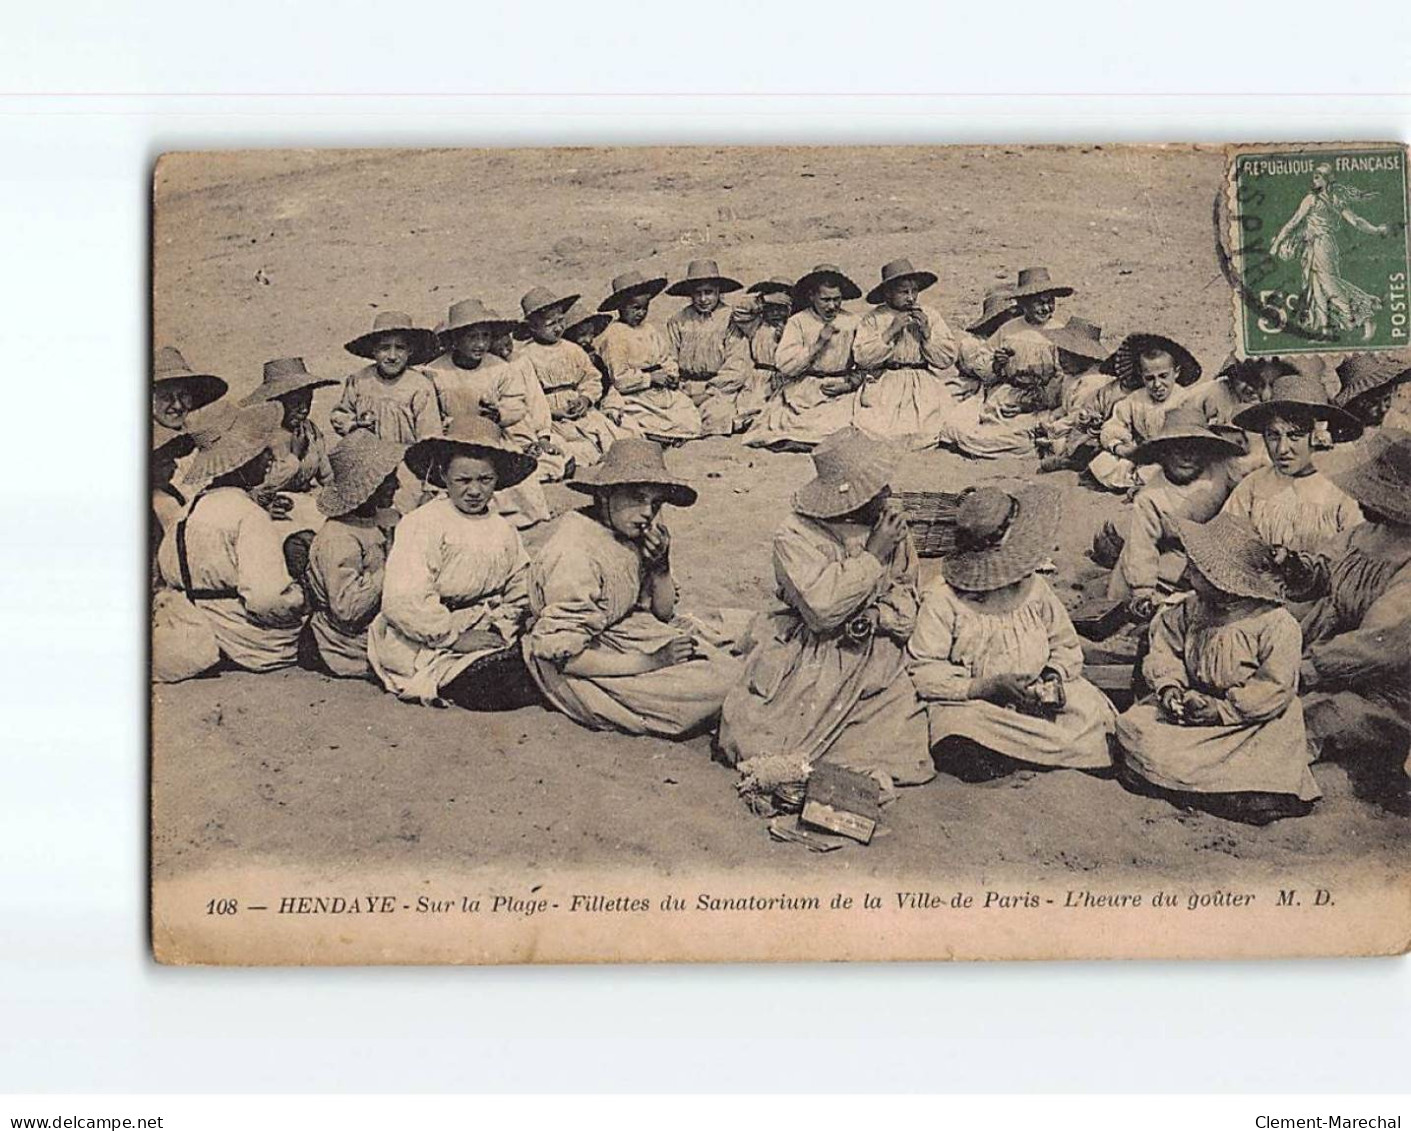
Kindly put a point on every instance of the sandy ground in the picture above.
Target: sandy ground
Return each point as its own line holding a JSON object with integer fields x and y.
{"x": 265, "y": 255}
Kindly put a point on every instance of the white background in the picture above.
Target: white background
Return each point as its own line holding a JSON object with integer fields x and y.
{"x": 90, "y": 92}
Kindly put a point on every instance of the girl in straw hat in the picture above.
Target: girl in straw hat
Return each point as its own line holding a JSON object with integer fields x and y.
{"x": 569, "y": 424}
{"x": 1372, "y": 391}
{"x": 994, "y": 654}
{"x": 641, "y": 365}
{"x": 903, "y": 346}
{"x": 177, "y": 392}
{"x": 1192, "y": 485}
{"x": 1162, "y": 365}
{"x": 1024, "y": 356}
{"x": 1009, "y": 419}
{"x": 300, "y": 452}
{"x": 391, "y": 397}
{"x": 817, "y": 379}
{"x": 227, "y": 555}
{"x": 697, "y": 333}
{"x": 582, "y": 326}
{"x": 1290, "y": 503}
{"x": 348, "y": 555}
{"x": 757, "y": 322}
{"x": 453, "y": 594}
{"x": 1356, "y": 675}
{"x": 609, "y": 648}
{"x": 1224, "y": 729}
{"x": 471, "y": 381}
{"x": 827, "y": 681}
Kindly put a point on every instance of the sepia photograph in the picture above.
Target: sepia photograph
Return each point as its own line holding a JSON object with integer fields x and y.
{"x": 780, "y": 554}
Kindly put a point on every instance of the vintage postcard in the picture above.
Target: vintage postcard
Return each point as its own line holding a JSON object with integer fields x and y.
{"x": 791, "y": 554}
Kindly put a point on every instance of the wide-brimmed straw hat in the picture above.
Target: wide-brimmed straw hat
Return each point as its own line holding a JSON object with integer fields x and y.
{"x": 1299, "y": 393}
{"x": 1001, "y": 538}
{"x": 422, "y": 342}
{"x": 1232, "y": 557}
{"x": 1234, "y": 365}
{"x": 169, "y": 370}
{"x": 470, "y": 435}
{"x": 1364, "y": 373}
{"x": 361, "y": 464}
{"x": 579, "y": 313}
{"x": 895, "y": 272}
{"x": 1383, "y": 482}
{"x": 1035, "y": 281}
{"x": 540, "y": 299}
{"x": 775, "y": 285}
{"x": 1185, "y": 424}
{"x": 283, "y": 376}
{"x": 630, "y": 284}
{"x": 997, "y": 309}
{"x": 700, "y": 271}
{"x": 824, "y": 273}
{"x": 851, "y": 469}
{"x": 1080, "y": 337}
{"x": 632, "y": 461}
{"x": 468, "y": 314}
{"x": 168, "y": 445}
{"x": 241, "y": 437}
{"x": 776, "y": 298}
{"x": 1123, "y": 363}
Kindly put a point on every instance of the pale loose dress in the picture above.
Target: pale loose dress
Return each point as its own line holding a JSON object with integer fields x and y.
{"x": 749, "y": 372}
{"x": 347, "y": 561}
{"x": 494, "y": 384}
{"x": 564, "y": 371}
{"x": 904, "y": 397}
{"x": 1247, "y": 661}
{"x": 1135, "y": 419}
{"x": 1304, "y": 513}
{"x": 810, "y": 694}
{"x": 586, "y": 594}
{"x": 801, "y": 413}
{"x": 238, "y": 579}
{"x": 1357, "y": 640}
{"x": 998, "y": 420}
{"x": 698, "y": 342}
{"x": 404, "y": 409}
{"x": 957, "y": 641}
{"x": 655, "y": 411}
{"x": 1152, "y": 557}
{"x": 447, "y": 573}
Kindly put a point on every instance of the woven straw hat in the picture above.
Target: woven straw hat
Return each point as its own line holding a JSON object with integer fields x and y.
{"x": 1236, "y": 366}
{"x": 169, "y": 370}
{"x": 772, "y": 286}
{"x": 1079, "y": 336}
{"x": 1185, "y": 424}
{"x": 361, "y": 463}
{"x": 1001, "y": 538}
{"x": 1304, "y": 393}
{"x": 244, "y": 435}
{"x": 851, "y": 469}
{"x": 1382, "y": 483}
{"x": 1232, "y": 557}
{"x": 997, "y": 309}
{"x": 777, "y": 298}
{"x": 700, "y": 271}
{"x": 1123, "y": 363}
{"x": 424, "y": 345}
{"x": 1035, "y": 281}
{"x": 1370, "y": 372}
{"x": 168, "y": 445}
{"x": 824, "y": 273}
{"x": 537, "y": 300}
{"x": 470, "y": 312}
{"x": 896, "y": 271}
{"x": 470, "y": 436}
{"x": 630, "y": 284}
{"x": 632, "y": 460}
{"x": 282, "y": 377}
{"x": 579, "y": 313}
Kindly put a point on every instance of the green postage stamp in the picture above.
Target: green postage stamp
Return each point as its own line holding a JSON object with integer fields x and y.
{"x": 1317, "y": 248}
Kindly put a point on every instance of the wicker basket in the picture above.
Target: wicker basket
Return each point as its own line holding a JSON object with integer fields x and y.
{"x": 931, "y": 516}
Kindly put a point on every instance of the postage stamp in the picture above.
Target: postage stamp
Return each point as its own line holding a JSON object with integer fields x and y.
{"x": 1317, "y": 248}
